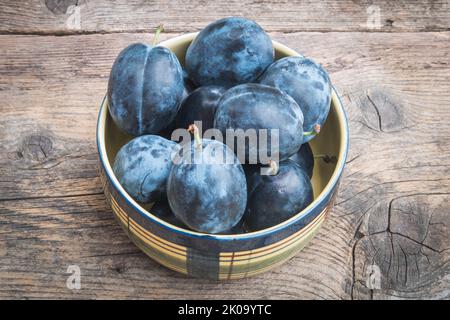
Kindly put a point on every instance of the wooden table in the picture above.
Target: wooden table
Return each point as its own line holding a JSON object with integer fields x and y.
{"x": 391, "y": 65}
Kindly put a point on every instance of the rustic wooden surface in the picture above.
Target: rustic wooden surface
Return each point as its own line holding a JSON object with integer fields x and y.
{"x": 392, "y": 217}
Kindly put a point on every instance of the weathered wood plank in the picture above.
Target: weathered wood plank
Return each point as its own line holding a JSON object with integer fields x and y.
{"x": 391, "y": 214}
{"x": 41, "y": 239}
{"x": 72, "y": 16}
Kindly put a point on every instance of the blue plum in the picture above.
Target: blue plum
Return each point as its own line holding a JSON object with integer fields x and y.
{"x": 145, "y": 89}
{"x": 305, "y": 158}
{"x": 308, "y": 83}
{"x": 143, "y": 165}
{"x": 256, "y": 106}
{"x": 277, "y": 197}
{"x": 229, "y": 51}
{"x": 237, "y": 229}
{"x": 200, "y": 105}
{"x": 162, "y": 210}
{"x": 206, "y": 187}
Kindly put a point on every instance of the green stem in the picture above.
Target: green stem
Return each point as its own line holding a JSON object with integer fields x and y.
{"x": 158, "y": 31}
{"x": 315, "y": 131}
{"x": 194, "y": 130}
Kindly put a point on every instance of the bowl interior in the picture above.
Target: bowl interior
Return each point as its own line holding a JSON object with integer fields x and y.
{"x": 329, "y": 142}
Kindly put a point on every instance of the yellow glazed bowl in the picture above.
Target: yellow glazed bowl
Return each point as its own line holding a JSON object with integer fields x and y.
{"x": 225, "y": 256}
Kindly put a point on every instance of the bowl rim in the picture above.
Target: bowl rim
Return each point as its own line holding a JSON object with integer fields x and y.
{"x": 329, "y": 187}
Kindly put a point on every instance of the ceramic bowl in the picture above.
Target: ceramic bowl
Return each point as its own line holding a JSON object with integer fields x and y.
{"x": 225, "y": 256}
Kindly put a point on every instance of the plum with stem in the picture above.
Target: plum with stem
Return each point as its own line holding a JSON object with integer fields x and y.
{"x": 145, "y": 88}
{"x": 206, "y": 187}
{"x": 277, "y": 196}
{"x": 308, "y": 83}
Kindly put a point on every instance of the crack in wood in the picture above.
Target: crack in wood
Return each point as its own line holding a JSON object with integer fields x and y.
{"x": 51, "y": 197}
{"x": 376, "y": 111}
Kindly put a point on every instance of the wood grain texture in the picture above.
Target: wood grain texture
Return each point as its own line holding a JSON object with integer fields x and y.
{"x": 87, "y": 16}
{"x": 391, "y": 219}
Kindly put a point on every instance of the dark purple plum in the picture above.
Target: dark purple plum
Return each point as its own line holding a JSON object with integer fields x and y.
{"x": 252, "y": 174}
{"x": 229, "y": 51}
{"x": 304, "y": 158}
{"x": 256, "y": 106}
{"x": 143, "y": 165}
{"x": 189, "y": 86}
{"x": 162, "y": 210}
{"x": 276, "y": 197}
{"x": 206, "y": 188}
{"x": 167, "y": 131}
{"x": 200, "y": 105}
{"x": 145, "y": 89}
{"x": 308, "y": 83}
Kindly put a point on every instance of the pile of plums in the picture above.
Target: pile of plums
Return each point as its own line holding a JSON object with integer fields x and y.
{"x": 230, "y": 81}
